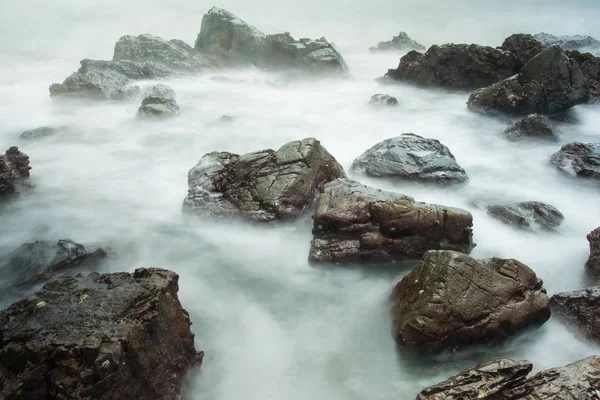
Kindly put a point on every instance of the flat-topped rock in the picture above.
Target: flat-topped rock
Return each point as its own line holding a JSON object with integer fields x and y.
{"x": 580, "y": 310}
{"x": 580, "y": 160}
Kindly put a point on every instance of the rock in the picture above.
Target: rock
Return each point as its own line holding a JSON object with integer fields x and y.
{"x": 486, "y": 380}
{"x": 523, "y": 46}
{"x": 450, "y": 300}
{"x": 533, "y": 126}
{"x": 14, "y": 173}
{"x": 226, "y": 119}
{"x": 112, "y": 336}
{"x": 580, "y": 310}
{"x": 383, "y": 100}
{"x": 455, "y": 66}
{"x": 402, "y": 42}
{"x": 36, "y": 262}
{"x": 579, "y": 159}
{"x": 411, "y": 157}
{"x": 590, "y": 67}
{"x": 262, "y": 186}
{"x": 529, "y": 215}
{"x": 159, "y": 102}
{"x": 574, "y": 42}
{"x": 593, "y": 262}
{"x": 356, "y": 223}
{"x": 42, "y": 132}
{"x": 548, "y": 84}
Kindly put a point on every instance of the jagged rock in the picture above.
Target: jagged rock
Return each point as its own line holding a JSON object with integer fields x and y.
{"x": 38, "y": 261}
{"x": 263, "y": 186}
{"x": 14, "y": 173}
{"x": 533, "y": 126}
{"x": 593, "y": 262}
{"x": 579, "y": 159}
{"x": 412, "y": 158}
{"x": 402, "y": 42}
{"x": 98, "y": 84}
{"x": 574, "y": 42}
{"x": 159, "y": 102}
{"x": 523, "y": 46}
{"x": 548, "y": 84}
{"x": 356, "y": 223}
{"x": 455, "y": 66}
{"x": 590, "y": 67}
{"x": 580, "y": 310}
{"x": 486, "y": 380}
{"x": 42, "y": 132}
{"x": 112, "y": 336}
{"x": 383, "y": 100}
{"x": 529, "y": 215}
{"x": 450, "y": 300}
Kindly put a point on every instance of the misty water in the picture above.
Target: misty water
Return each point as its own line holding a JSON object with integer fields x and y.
{"x": 273, "y": 326}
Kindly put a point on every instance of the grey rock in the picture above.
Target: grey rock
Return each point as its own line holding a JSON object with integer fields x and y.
{"x": 523, "y": 46}
{"x": 579, "y": 310}
{"x": 97, "y": 84}
{"x": 450, "y": 300}
{"x": 14, "y": 174}
{"x": 590, "y": 67}
{"x": 402, "y": 42}
{"x": 355, "y": 223}
{"x": 380, "y": 99}
{"x": 533, "y": 126}
{"x": 411, "y": 157}
{"x": 579, "y": 159}
{"x": 263, "y": 186}
{"x": 42, "y": 132}
{"x": 593, "y": 263}
{"x": 159, "y": 101}
{"x": 574, "y": 42}
{"x": 529, "y": 215}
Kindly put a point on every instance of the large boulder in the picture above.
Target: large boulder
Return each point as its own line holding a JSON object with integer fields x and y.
{"x": 402, "y": 42}
{"x": 159, "y": 101}
{"x": 456, "y": 66}
{"x": 528, "y": 215}
{"x": 566, "y": 42}
{"x": 263, "y": 186}
{"x": 580, "y": 310}
{"x": 14, "y": 173}
{"x": 113, "y": 336}
{"x": 355, "y": 223}
{"x": 593, "y": 262}
{"x": 450, "y": 300}
{"x": 410, "y": 157}
{"x": 548, "y": 84}
{"x": 579, "y": 159}
{"x": 523, "y": 46}
{"x": 533, "y": 126}
{"x": 590, "y": 67}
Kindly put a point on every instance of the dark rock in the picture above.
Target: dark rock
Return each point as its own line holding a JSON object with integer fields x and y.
{"x": 263, "y": 186}
{"x": 574, "y": 42}
{"x": 113, "y": 336}
{"x": 486, "y": 380}
{"x": 530, "y": 215}
{"x": 580, "y": 310}
{"x": 402, "y": 42}
{"x": 42, "y": 132}
{"x": 523, "y": 46}
{"x": 14, "y": 173}
{"x": 411, "y": 157}
{"x": 383, "y": 100}
{"x": 159, "y": 102}
{"x": 356, "y": 223}
{"x": 533, "y": 126}
{"x": 593, "y": 262}
{"x": 548, "y": 84}
{"x": 450, "y": 300}
{"x": 579, "y": 159}
{"x": 456, "y": 66}
{"x": 590, "y": 67}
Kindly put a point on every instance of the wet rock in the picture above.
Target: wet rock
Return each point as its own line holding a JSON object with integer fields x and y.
{"x": 383, "y": 100}
{"x": 590, "y": 67}
{"x": 456, "y": 66}
{"x": 112, "y": 336}
{"x": 529, "y": 215}
{"x": 533, "y": 126}
{"x": 42, "y": 132}
{"x": 402, "y": 42}
{"x": 486, "y": 380}
{"x": 411, "y": 157}
{"x": 593, "y": 262}
{"x": 548, "y": 84}
{"x": 579, "y": 159}
{"x": 574, "y": 42}
{"x": 263, "y": 186}
{"x": 159, "y": 102}
{"x": 97, "y": 84}
{"x": 14, "y": 173}
{"x": 580, "y": 310}
{"x": 523, "y": 46}
{"x": 450, "y": 300}
{"x": 40, "y": 260}
{"x": 355, "y": 223}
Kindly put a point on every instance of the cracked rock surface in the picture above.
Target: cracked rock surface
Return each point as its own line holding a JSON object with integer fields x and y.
{"x": 577, "y": 159}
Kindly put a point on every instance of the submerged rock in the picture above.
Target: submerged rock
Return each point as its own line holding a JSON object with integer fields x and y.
{"x": 529, "y": 215}
{"x": 159, "y": 102}
{"x": 412, "y": 158}
{"x": 14, "y": 173}
{"x": 263, "y": 186}
{"x": 580, "y": 310}
{"x": 42, "y": 132}
{"x": 593, "y": 262}
{"x": 574, "y": 42}
{"x": 548, "y": 84}
{"x": 112, "y": 336}
{"x": 455, "y": 66}
{"x": 533, "y": 126}
{"x": 355, "y": 223}
{"x": 383, "y": 100}
{"x": 402, "y": 42}
{"x": 523, "y": 46}
{"x": 450, "y": 300}
{"x": 579, "y": 159}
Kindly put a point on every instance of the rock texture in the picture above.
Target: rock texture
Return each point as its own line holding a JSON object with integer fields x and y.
{"x": 593, "y": 262}
{"x": 159, "y": 102}
{"x": 456, "y": 66}
{"x": 383, "y": 100}
{"x": 573, "y": 42}
{"x": 42, "y": 132}
{"x": 529, "y": 215}
{"x": 579, "y": 159}
{"x": 590, "y": 67}
{"x": 411, "y": 157}
{"x": 355, "y": 223}
{"x": 580, "y": 310}
{"x": 450, "y": 300}
{"x": 263, "y": 186}
{"x": 533, "y": 126}
{"x": 402, "y": 42}
{"x": 14, "y": 173}
{"x": 113, "y": 336}
{"x": 548, "y": 84}
{"x": 523, "y": 46}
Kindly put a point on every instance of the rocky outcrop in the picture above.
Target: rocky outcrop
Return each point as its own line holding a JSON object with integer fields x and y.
{"x": 528, "y": 215}
{"x": 159, "y": 101}
{"x": 355, "y": 223}
{"x": 579, "y": 310}
{"x": 523, "y": 46}
{"x": 14, "y": 173}
{"x": 593, "y": 262}
{"x": 574, "y": 42}
{"x": 113, "y": 336}
{"x": 533, "y": 126}
{"x": 411, "y": 157}
{"x": 450, "y": 300}
{"x": 263, "y": 186}
{"x": 590, "y": 67}
{"x": 579, "y": 159}
{"x": 455, "y": 66}
{"x": 380, "y": 99}
{"x": 402, "y": 42}
{"x": 548, "y": 84}
{"x": 42, "y": 132}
